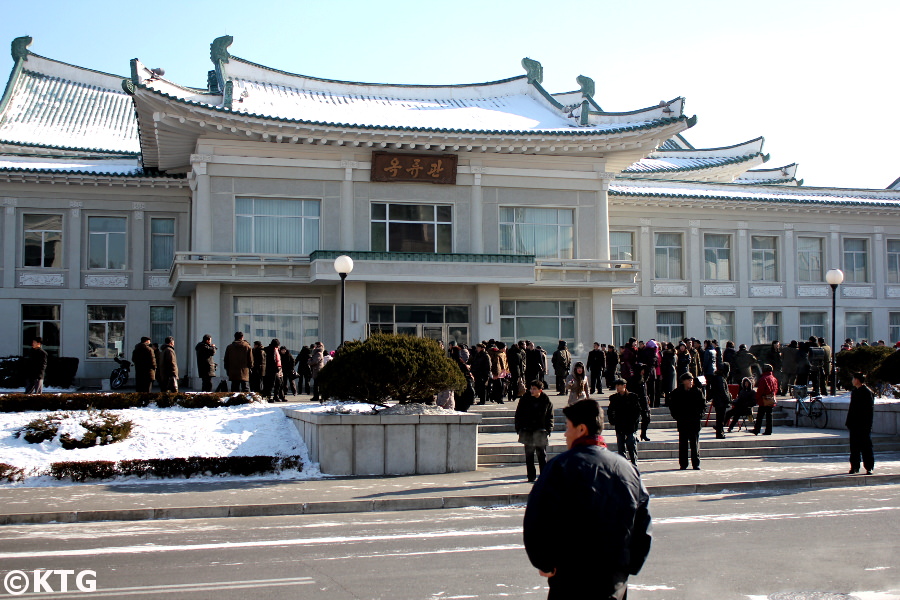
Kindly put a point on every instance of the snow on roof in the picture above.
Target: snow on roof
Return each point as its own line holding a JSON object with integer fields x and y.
{"x": 687, "y": 163}
{"x": 123, "y": 166}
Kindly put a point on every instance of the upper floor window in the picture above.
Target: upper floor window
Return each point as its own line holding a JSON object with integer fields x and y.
{"x": 544, "y": 232}
{"x": 43, "y": 241}
{"x": 856, "y": 260}
{"x": 276, "y": 226}
{"x": 893, "y": 261}
{"x": 764, "y": 258}
{"x": 621, "y": 245}
{"x": 809, "y": 259}
{"x": 162, "y": 243}
{"x": 107, "y": 244}
{"x": 668, "y": 251}
{"x": 717, "y": 256}
{"x": 412, "y": 228}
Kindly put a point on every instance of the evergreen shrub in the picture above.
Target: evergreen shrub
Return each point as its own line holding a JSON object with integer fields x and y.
{"x": 120, "y": 400}
{"x": 865, "y": 359}
{"x": 100, "y": 428}
{"x": 173, "y": 467}
{"x": 889, "y": 369}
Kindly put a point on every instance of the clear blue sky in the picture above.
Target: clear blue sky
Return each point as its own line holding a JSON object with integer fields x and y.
{"x": 816, "y": 78}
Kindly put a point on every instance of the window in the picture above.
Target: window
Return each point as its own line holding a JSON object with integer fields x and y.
{"x": 764, "y": 258}
{"x": 435, "y": 322}
{"x": 106, "y": 243}
{"x": 720, "y": 325}
{"x": 669, "y": 326}
{"x": 624, "y": 326}
{"x": 294, "y": 321}
{"x": 43, "y": 241}
{"x": 893, "y": 261}
{"x": 544, "y": 322}
{"x": 668, "y": 256}
{"x": 812, "y": 323}
{"x": 276, "y": 226}
{"x": 106, "y": 331}
{"x": 412, "y": 228}
{"x": 856, "y": 326}
{"x": 41, "y": 320}
{"x": 162, "y": 323}
{"x": 766, "y": 327}
{"x": 717, "y": 256}
{"x": 162, "y": 244}
{"x": 856, "y": 260}
{"x": 544, "y": 232}
{"x": 621, "y": 245}
{"x": 894, "y": 332}
{"x": 809, "y": 259}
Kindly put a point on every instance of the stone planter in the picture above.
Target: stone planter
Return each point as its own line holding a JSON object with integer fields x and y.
{"x": 886, "y": 418}
{"x": 389, "y": 444}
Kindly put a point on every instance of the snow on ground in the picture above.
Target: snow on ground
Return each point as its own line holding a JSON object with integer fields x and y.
{"x": 337, "y": 407}
{"x": 176, "y": 432}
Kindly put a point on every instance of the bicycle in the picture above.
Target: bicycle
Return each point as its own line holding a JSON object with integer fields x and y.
{"x": 814, "y": 410}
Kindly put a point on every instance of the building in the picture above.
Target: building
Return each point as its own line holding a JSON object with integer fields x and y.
{"x": 136, "y": 206}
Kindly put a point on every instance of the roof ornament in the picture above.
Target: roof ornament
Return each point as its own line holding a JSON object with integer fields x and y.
{"x": 533, "y": 69}
{"x": 20, "y": 47}
{"x": 212, "y": 82}
{"x": 218, "y": 50}
{"x": 667, "y": 107}
{"x": 587, "y": 85}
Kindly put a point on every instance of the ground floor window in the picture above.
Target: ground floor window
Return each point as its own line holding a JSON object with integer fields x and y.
{"x": 544, "y": 322}
{"x": 106, "y": 331}
{"x": 624, "y": 326}
{"x": 894, "y": 327}
{"x": 446, "y": 323}
{"x": 720, "y": 326}
{"x": 294, "y": 321}
{"x": 812, "y": 324}
{"x": 41, "y": 320}
{"x": 162, "y": 323}
{"x": 857, "y": 326}
{"x": 669, "y": 326}
{"x": 766, "y": 327}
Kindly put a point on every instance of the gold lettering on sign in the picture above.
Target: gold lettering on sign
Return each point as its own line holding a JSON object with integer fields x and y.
{"x": 390, "y": 167}
{"x": 416, "y": 167}
{"x": 436, "y": 169}
{"x": 394, "y": 168}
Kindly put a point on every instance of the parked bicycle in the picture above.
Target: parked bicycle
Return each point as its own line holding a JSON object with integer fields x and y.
{"x": 119, "y": 377}
{"x": 814, "y": 409}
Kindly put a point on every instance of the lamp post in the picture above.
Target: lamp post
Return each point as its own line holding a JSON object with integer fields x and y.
{"x": 343, "y": 264}
{"x": 834, "y": 277}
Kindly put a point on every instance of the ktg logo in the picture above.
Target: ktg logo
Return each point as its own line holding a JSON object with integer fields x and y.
{"x": 44, "y": 580}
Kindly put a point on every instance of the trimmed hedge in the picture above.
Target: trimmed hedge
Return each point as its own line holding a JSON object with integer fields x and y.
{"x": 61, "y": 371}
{"x": 172, "y": 467}
{"x": 11, "y": 474}
{"x": 26, "y": 402}
{"x": 101, "y": 428}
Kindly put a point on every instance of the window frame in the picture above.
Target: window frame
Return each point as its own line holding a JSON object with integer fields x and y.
{"x": 51, "y": 349}
{"x": 717, "y": 331}
{"x": 756, "y": 326}
{"x": 850, "y": 274}
{"x": 304, "y": 243}
{"x": 616, "y": 257}
{"x": 435, "y": 222}
{"x": 623, "y": 331}
{"x": 894, "y": 327}
{"x": 669, "y": 249}
{"x": 106, "y": 235}
{"x": 25, "y": 231}
{"x": 868, "y": 325}
{"x": 570, "y": 319}
{"x": 151, "y": 235}
{"x": 810, "y": 328}
{"x": 776, "y": 267}
{"x": 821, "y": 253}
{"x": 669, "y": 335}
{"x": 892, "y": 260}
{"x": 90, "y": 321}
{"x": 560, "y": 243}
{"x": 171, "y": 323}
{"x": 729, "y": 259}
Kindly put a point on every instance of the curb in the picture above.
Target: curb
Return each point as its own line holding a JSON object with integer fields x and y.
{"x": 423, "y": 503}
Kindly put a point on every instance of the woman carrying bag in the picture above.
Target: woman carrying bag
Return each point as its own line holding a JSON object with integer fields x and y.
{"x": 766, "y": 388}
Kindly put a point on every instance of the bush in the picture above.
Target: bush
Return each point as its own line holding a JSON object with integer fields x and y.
{"x": 83, "y": 470}
{"x": 98, "y": 428}
{"x": 61, "y": 371}
{"x": 173, "y": 467}
{"x": 865, "y": 359}
{"x": 24, "y": 402}
{"x": 889, "y": 369}
{"x": 11, "y": 474}
{"x": 388, "y": 366}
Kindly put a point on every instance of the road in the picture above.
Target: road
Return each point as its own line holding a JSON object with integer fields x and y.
{"x": 718, "y": 547}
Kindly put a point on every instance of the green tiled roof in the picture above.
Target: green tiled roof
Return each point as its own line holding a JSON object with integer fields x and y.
{"x": 667, "y": 165}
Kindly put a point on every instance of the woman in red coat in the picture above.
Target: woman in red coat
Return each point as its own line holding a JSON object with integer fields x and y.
{"x": 766, "y": 388}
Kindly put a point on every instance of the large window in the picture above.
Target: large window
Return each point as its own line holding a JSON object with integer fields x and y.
{"x": 857, "y": 326}
{"x": 669, "y": 326}
{"x": 809, "y": 259}
{"x": 41, "y": 320}
{"x": 106, "y": 331}
{"x": 437, "y": 322}
{"x": 43, "y": 241}
{"x": 544, "y": 232}
{"x": 107, "y": 243}
{"x": 276, "y": 226}
{"x": 894, "y": 332}
{"x": 294, "y": 321}
{"x": 893, "y": 261}
{"x": 621, "y": 245}
{"x": 720, "y": 325}
{"x": 856, "y": 260}
{"x": 766, "y": 327}
{"x": 412, "y": 228}
{"x": 162, "y": 323}
{"x": 763, "y": 258}
{"x": 624, "y": 326}
{"x": 717, "y": 256}
{"x": 812, "y": 324}
{"x": 162, "y": 243}
{"x": 668, "y": 251}
{"x": 544, "y": 322}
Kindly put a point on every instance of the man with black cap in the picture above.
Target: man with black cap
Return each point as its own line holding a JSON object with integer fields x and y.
{"x": 587, "y": 523}
{"x": 144, "y": 358}
{"x": 35, "y": 367}
{"x": 688, "y": 406}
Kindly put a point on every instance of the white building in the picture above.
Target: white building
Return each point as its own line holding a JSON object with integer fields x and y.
{"x": 141, "y": 207}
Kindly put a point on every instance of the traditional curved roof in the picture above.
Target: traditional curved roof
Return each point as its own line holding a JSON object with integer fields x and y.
{"x": 66, "y": 164}
{"x": 705, "y": 164}
{"x": 786, "y": 175}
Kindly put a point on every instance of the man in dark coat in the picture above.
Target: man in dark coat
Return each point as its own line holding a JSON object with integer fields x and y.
{"x": 624, "y": 413}
{"x": 612, "y": 365}
{"x": 36, "y": 367}
{"x": 720, "y": 396}
{"x": 596, "y": 366}
{"x": 144, "y": 358}
{"x": 534, "y": 422}
{"x": 688, "y": 406}
{"x": 534, "y": 362}
{"x": 515, "y": 360}
{"x": 587, "y": 523}
{"x": 206, "y": 366}
{"x": 273, "y": 384}
{"x": 287, "y": 369}
{"x": 480, "y": 364}
{"x": 860, "y": 415}
{"x": 169, "y": 366}
{"x": 239, "y": 363}
{"x": 259, "y": 367}
{"x": 562, "y": 362}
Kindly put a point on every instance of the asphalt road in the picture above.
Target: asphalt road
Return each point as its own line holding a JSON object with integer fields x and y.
{"x": 718, "y": 547}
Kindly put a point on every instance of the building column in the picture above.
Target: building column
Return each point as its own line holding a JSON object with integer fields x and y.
{"x": 740, "y": 261}
{"x": 602, "y": 303}
{"x": 137, "y": 258}
{"x": 357, "y": 310}
{"x": 201, "y": 215}
{"x": 602, "y": 229}
{"x": 346, "y": 234}
{"x": 476, "y": 231}
{"x": 74, "y": 232}
{"x": 647, "y": 253}
{"x": 207, "y": 318}
{"x": 485, "y": 321}
{"x": 9, "y": 243}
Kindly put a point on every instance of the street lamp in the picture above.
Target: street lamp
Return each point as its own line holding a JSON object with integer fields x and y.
{"x": 343, "y": 264}
{"x": 834, "y": 277}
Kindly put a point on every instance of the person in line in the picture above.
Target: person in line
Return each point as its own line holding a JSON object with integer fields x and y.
{"x": 860, "y": 415}
{"x": 301, "y": 365}
{"x": 35, "y": 367}
{"x": 766, "y": 389}
{"x": 743, "y": 404}
{"x": 480, "y": 363}
{"x": 144, "y": 359}
{"x": 239, "y": 363}
{"x": 587, "y": 523}
{"x": 259, "y": 367}
{"x": 169, "y": 367}
{"x": 577, "y": 384}
{"x": 316, "y": 361}
{"x": 788, "y": 367}
{"x": 596, "y": 366}
{"x": 650, "y": 357}
{"x": 624, "y": 414}
{"x": 612, "y": 366}
{"x": 515, "y": 359}
{"x": 668, "y": 370}
{"x": 688, "y": 407}
{"x": 288, "y": 371}
{"x": 534, "y": 422}
{"x": 206, "y": 367}
{"x": 720, "y": 396}
{"x": 273, "y": 376}
{"x": 534, "y": 362}
{"x": 562, "y": 362}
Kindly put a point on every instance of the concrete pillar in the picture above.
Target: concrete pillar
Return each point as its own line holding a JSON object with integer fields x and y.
{"x": 602, "y": 229}
{"x": 787, "y": 261}
{"x": 486, "y": 320}
{"x": 207, "y": 314}
{"x": 201, "y": 217}
{"x": 357, "y": 310}
{"x": 137, "y": 259}
{"x": 648, "y": 259}
{"x": 477, "y": 226}
{"x": 9, "y": 245}
{"x": 692, "y": 260}
{"x": 346, "y": 233}
{"x": 740, "y": 261}
{"x": 602, "y": 304}
{"x": 72, "y": 235}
